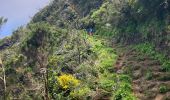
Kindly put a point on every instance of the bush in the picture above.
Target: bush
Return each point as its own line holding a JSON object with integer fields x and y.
{"x": 67, "y": 81}
{"x": 124, "y": 92}
{"x": 163, "y": 89}
{"x": 166, "y": 66}
{"x": 97, "y": 14}
{"x": 107, "y": 84}
{"x": 80, "y": 93}
{"x": 149, "y": 75}
{"x": 149, "y": 50}
{"x": 125, "y": 78}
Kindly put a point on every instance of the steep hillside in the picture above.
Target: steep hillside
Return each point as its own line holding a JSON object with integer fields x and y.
{"x": 55, "y": 58}
{"x": 86, "y": 60}
{"x": 150, "y": 79}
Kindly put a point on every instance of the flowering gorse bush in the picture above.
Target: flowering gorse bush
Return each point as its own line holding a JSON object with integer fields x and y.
{"x": 67, "y": 81}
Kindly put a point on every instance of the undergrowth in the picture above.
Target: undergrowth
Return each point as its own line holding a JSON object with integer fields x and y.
{"x": 148, "y": 49}
{"x": 119, "y": 85}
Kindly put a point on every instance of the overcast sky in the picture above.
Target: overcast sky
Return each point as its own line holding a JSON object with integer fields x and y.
{"x": 18, "y": 12}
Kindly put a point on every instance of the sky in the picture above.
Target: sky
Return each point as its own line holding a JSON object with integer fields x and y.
{"x": 18, "y": 13}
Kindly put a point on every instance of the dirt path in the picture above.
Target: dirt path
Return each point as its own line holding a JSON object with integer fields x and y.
{"x": 147, "y": 76}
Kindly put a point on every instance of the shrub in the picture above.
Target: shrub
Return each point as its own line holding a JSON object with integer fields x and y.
{"x": 125, "y": 78}
{"x": 149, "y": 75}
{"x": 149, "y": 50}
{"x": 124, "y": 92}
{"x": 107, "y": 84}
{"x": 67, "y": 81}
{"x": 96, "y": 14}
{"x": 53, "y": 61}
{"x": 163, "y": 89}
{"x": 80, "y": 93}
{"x": 166, "y": 66}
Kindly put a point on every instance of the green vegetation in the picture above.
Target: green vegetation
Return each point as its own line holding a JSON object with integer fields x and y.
{"x": 163, "y": 89}
{"x": 149, "y": 75}
{"x": 54, "y": 58}
{"x": 98, "y": 76}
{"x": 148, "y": 49}
{"x": 67, "y": 81}
{"x": 119, "y": 85}
{"x": 2, "y": 21}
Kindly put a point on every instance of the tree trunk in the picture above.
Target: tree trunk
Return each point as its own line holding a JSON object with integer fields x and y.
{"x": 4, "y": 78}
{"x": 46, "y": 85}
{"x": 79, "y": 55}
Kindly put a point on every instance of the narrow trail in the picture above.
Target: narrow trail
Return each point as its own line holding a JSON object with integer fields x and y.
{"x": 145, "y": 72}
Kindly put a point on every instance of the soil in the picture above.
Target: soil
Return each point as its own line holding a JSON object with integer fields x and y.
{"x": 146, "y": 74}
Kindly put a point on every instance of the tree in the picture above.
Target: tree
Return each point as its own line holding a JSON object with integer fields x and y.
{"x": 42, "y": 36}
{"x": 38, "y": 48}
{"x": 2, "y": 21}
{"x": 3, "y": 78}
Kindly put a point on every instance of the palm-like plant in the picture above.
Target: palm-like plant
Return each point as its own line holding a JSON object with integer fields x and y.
{"x": 2, "y": 21}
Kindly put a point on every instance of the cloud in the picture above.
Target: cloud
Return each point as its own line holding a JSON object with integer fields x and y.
{"x": 18, "y": 12}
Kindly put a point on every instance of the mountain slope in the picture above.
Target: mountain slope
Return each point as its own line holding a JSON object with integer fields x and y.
{"x": 54, "y": 58}
{"x": 150, "y": 81}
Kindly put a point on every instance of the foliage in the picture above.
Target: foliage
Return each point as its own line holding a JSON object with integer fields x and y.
{"x": 64, "y": 13}
{"x": 119, "y": 85}
{"x": 80, "y": 93}
{"x": 41, "y": 39}
{"x": 166, "y": 66}
{"x": 96, "y": 15}
{"x": 105, "y": 54}
{"x": 53, "y": 60}
{"x": 68, "y": 81}
{"x": 148, "y": 49}
{"x": 163, "y": 89}
{"x": 2, "y": 21}
{"x": 107, "y": 84}
{"x": 88, "y": 60}
{"x": 141, "y": 19}
{"x": 149, "y": 75}
{"x": 131, "y": 21}
{"x": 124, "y": 93}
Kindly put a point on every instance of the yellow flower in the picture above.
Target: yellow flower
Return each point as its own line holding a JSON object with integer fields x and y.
{"x": 67, "y": 81}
